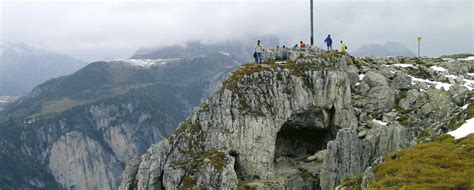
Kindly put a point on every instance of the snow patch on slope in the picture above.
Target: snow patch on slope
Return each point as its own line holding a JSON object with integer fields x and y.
{"x": 379, "y": 122}
{"x": 448, "y": 59}
{"x": 470, "y": 58}
{"x": 402, "y": 65}
{"x": 463, "y": 131}
{"x": 465, "y": 106}
{"x": 142, "y": 62}
{"x": 469, "y": 84}
{"x": 224, "y": 53}
{"x": 439, "y": 69}
{"x": 438, "y": 85}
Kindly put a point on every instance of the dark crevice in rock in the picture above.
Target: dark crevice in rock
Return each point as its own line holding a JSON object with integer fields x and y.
{"x": 237, "y": 166}
{"x": 332, "y": 125}
{"x": 161, "y": 186}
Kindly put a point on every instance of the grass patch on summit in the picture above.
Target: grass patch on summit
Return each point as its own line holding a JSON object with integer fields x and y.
{"x": 444, "y": 163}
{"x": 458, "y": 56}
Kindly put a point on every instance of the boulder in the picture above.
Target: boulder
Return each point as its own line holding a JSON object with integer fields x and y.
{"x": 318, "y": 156}
{"x": 379, "y": 100}
{"x": 374, "y": 79}
{"x": 401, "y": 81}
{"x": 459, "y": 94}
{"x": 389, "y": 117}
{"x": 388, "y": 72}
{"x": 411, "y": 97}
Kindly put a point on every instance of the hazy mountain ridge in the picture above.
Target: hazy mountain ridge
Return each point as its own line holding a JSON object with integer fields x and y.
{"x": 387, "y": 49}
{"x": 22, "y": 67}
{"x": 5, "y": 100}
{"x": 241, "y": 49}
{"x": 105, "y": 79}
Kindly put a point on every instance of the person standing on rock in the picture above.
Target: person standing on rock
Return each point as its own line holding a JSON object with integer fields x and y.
{"x": 343, "y": 47}
{"x": 258, "y": 52}
{"x": 328, "y": 41}
{"x": 302, "y": 44}
{"x": 284, "y": 53}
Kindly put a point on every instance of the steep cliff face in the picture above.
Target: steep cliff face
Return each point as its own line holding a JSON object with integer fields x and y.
{"x": 306, "y": 123}
{"x": 86, "y": 147}
{"x": 79, "y": 161}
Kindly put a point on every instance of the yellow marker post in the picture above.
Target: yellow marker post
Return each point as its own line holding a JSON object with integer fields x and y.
{"x": 419, "y": 42}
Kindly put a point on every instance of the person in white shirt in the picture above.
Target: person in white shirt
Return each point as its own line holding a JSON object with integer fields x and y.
{"x": 258, "y": 52}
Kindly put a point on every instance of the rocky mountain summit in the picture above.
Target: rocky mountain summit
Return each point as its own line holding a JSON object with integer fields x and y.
{"x": 309, "y": 122}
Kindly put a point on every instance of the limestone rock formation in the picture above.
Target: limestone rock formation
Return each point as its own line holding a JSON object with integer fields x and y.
{"x": 374, "y": 79}
{"x": 263, "y": 127}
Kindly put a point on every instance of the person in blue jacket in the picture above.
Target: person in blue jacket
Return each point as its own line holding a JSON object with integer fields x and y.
{"x": 328, "y": 41}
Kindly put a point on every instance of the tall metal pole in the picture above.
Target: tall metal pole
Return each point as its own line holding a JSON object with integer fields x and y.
{"x": 418, "y": 48}
{"x": 419, "y": 44}
{"x": 312, "y": 37}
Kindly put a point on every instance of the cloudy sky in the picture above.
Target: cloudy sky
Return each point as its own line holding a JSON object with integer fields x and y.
{"x": 94, "y": 30}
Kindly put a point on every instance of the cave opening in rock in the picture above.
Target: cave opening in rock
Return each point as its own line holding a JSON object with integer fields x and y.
{"x": 299, "y": 143}
{"x": 303, "y": 135}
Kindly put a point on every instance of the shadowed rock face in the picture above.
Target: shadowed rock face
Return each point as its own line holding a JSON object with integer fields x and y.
{"x": 300, "y": 143}
{"x": 303, "y": 134}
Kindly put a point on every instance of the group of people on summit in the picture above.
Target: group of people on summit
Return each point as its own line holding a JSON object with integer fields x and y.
{"x": 328, "y": 42}
{"x": 259, "y": 49}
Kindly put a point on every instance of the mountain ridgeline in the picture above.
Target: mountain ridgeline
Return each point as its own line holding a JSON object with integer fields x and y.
{"x": 23, "y": 67}
{"x": 240, "y": 49}
{"x": 387, "y": 49}
{"x": 78, "y": 131}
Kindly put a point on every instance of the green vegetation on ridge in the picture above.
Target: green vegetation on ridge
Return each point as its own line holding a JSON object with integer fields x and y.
{"x": 444, "y": 163}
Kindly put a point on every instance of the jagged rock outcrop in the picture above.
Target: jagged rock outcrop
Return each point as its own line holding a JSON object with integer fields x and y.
{"x": 262, "y": 128}
{"x": 348, "y": 155}
{"x": 232, "y": 136}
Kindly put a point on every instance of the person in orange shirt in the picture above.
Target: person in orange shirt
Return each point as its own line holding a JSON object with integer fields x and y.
{"x": 302, "y": 45}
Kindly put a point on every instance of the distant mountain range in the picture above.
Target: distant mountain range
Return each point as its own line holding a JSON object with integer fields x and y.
{"x": 387, "y": 49}
{"x": 23, "y": 67}
{"x": 77, "y": 131}
{"x": 242, "y": 50}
